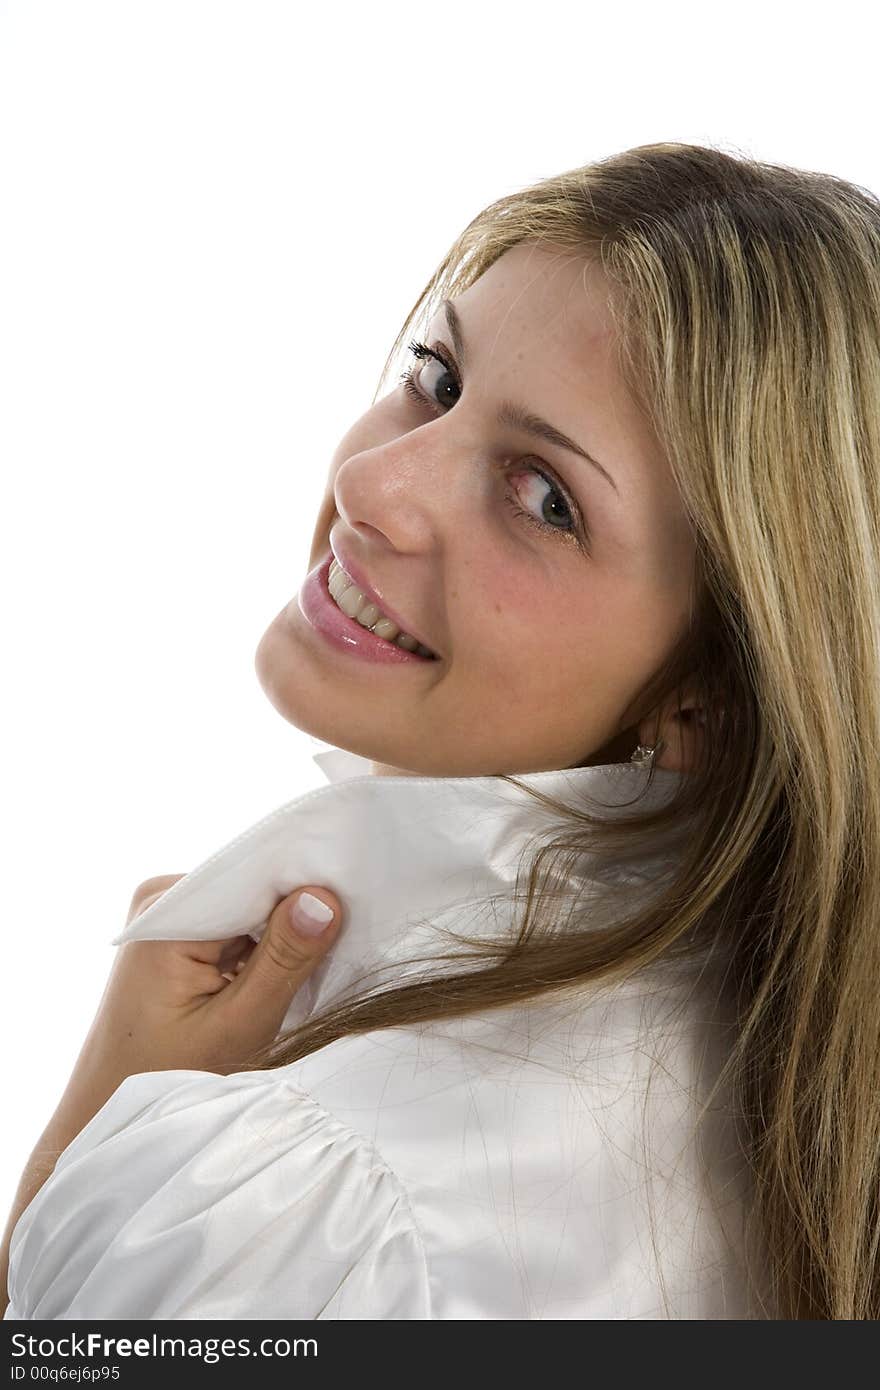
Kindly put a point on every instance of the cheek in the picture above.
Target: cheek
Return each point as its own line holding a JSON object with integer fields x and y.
{"x": 537, "y": 633}
{"x": 528, "y": 624}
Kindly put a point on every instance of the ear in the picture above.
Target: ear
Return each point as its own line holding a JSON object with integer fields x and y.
{"x": 682, "y": 730}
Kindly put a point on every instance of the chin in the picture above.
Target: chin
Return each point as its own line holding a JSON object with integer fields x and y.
{"x": 274, "y": 678}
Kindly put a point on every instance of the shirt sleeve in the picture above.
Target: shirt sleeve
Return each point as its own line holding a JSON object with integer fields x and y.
{"x": 193, "y": 1195}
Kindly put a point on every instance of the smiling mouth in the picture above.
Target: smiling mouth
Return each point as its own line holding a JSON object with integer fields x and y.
{"x": 355, "y": 604}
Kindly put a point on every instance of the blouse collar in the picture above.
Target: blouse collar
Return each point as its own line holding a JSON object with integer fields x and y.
{"x": 406, "y": 855}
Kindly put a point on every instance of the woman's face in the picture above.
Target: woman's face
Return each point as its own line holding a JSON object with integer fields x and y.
{"x": 548, "y": 592}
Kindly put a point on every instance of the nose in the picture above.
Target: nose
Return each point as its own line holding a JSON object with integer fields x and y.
{"x": 411, "y": 493}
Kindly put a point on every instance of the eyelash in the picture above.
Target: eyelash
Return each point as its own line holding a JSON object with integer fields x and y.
{"x": 578, "y": 531}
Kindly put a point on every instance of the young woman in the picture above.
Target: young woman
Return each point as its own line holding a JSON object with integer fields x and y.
{"x": 627, "y": 496}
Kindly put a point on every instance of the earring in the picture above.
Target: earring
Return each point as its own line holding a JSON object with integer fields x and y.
{"x": 644, "y": 757}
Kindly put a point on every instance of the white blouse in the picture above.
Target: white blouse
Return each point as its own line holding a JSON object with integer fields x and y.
{"x": 534, "y": 1161}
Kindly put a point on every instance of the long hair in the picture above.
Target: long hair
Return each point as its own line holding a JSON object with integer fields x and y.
{"x": 746, "y": 298}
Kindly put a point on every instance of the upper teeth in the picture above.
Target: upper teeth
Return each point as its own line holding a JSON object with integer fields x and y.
{"x": 354, "y": 603}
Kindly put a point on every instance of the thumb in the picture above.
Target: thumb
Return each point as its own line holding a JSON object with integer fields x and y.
{"x": 298, "y": 934}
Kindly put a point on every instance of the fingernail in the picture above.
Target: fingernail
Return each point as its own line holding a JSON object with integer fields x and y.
{"x": 309, "y": 915}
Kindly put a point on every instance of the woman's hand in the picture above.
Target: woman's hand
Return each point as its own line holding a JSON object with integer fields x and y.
{"x": 191, "y": 1005}
{"x": 205, "y": 1005}
{"x": 201, "y": 1005}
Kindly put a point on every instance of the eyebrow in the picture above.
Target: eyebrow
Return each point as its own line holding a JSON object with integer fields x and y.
{"x": 514, "y": 415}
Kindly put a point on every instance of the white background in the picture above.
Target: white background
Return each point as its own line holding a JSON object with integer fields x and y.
{"x": 214, "y": 218}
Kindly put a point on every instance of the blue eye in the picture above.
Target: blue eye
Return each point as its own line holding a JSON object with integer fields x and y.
{"x": 447, "y": 382}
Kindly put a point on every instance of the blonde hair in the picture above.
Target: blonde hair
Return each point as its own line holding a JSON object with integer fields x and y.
{"x": 747, "y": 301}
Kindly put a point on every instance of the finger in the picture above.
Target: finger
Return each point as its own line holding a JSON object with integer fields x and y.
{"x": 224, "y": 952}
{"x": 187, "y": 981}
{"x": 231, "y": 974}
{"x": 148, "y": 891}
{"x": 284, "y": 958}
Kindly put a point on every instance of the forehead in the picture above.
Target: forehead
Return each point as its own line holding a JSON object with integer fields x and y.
{"x": 543, "y": 302}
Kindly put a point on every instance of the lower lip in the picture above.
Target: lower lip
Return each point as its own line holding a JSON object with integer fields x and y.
{"x": 318, "y": 608}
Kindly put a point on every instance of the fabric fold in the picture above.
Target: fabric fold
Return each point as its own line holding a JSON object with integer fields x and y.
{"x": 197, "y": 1191}
{"x": 407, "y": 856}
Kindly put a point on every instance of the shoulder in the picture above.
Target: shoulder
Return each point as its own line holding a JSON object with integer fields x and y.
{"x": 193, "y": 1195}
{"x": 562, "y": 1158}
